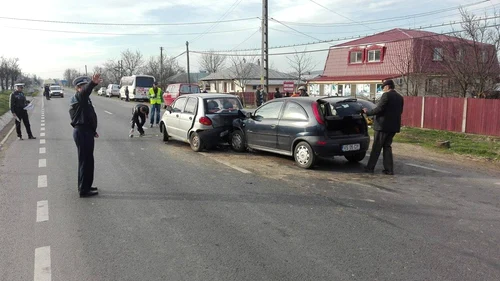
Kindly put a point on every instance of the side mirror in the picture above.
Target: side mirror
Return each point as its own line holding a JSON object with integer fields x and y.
{"x": 248, "y": 114}
{"x": 169, "y": 108}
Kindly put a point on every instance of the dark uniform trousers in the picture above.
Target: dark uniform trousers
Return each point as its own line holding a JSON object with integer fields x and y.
{"x": 84, "y": 139}
{"x": 23, "y": 116}
{"x": 135, "y": 121}
{"x": 382, "y": 140}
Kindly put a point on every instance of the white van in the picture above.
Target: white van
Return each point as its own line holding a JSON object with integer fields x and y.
{"x": 138, "y": 87}
{"x": 113, "y": 90}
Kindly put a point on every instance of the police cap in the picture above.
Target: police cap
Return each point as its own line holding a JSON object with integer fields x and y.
{"x": 19, "y": 85}
{"x": 81, "y": 80}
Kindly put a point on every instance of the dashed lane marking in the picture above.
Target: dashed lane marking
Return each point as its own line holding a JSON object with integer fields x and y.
{"x": 42, "y": 211}
{"x": 428, "y": 168}
{"x": 108, "y": 112}
{"x": 42, "y": 134}
{"x": 42, "y": 181}
{"x": 42, "y": 163}
{"x": 43, "y": 270}
{"x": 42, "y": 141}
{"x": 42, "y": 129}
{"x": 42, "y": 150}
{"x": 228, "y": 164}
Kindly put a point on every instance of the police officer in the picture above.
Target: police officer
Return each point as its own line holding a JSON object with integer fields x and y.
{"x": 139, "y": 111}
{"x": 155, "y": 98}
{"x": 84, "y": 122}
{"x": 302, "y": 91}
{"x": 17, "y": 104}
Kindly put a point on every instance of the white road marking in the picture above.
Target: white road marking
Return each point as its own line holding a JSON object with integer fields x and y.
{"x": 108, "y": 112}
{"x": 428, "y": 168}
{"x": 497, "y": 183}
{"x": 42, "y": 181}
{"x": 369, "y": 200}
{"x": 42, "y": 134}
{"x": 43, "y": 124}
{"x": 42, "y": 211}
{"x": 42, "y": 150}
{"x": 42, "y": 141}
{"x": 7, "y": 136}
{"x": 43, "y": 271}
{"x": 228, "y": 164}
{"x": 42, "y": 163}
{"x": 42, "y": 129}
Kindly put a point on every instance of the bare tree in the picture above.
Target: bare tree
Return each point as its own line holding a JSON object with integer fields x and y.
{"x": 212, "y": 62}
{"x": 411, "y": 63}
{"x": 472, "y": 59}
{"x": 170, "y": 68}
{"x": 113, "y": 71}
{"x": 132, "y": 62}
{"x": 242, "y": 69}
{"x": 301, "y": 63}
{"x": 9, "y": 72}
{"x": 70, "y": 74}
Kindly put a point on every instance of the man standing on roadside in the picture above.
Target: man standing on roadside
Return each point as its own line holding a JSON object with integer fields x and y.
{"x": 259, "y": 96}
{"x": 17, "y": 103}
{"x": 387, "y": 123}
{"x": 84, "y": 122}
{"x": 126, "y": 93}
{"x": 155, "y": 98}
{"x": 277, "y": 94}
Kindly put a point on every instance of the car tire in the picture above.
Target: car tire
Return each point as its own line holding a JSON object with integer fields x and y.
{"x": 304, "y": 155}
{"x": 195, "y": 142}
{"x": 238, "y": 141}
{"x": 165, "y": 133}
{"x": 355, "y": 158}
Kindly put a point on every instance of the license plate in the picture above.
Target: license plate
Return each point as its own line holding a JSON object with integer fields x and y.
{"x": 351, "y": 147}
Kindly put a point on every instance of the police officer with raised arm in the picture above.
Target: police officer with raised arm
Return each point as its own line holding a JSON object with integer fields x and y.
{"x": 17, "y": 103}
{"x": 84, "y": 122}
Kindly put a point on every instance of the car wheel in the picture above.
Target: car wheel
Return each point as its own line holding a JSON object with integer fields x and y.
{"x": 238, "y": 141}
{"x": 355, "y": 158}
{"x": 304, "y": 155}
{"x": 165, "y": 133}
{"x": 195, "y": 142}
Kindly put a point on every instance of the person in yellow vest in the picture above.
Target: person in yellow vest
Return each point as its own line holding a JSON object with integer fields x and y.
{"x": 155, "y": 98}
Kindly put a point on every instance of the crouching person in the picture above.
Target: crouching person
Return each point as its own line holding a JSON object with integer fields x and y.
{"x": 140, "y": 111}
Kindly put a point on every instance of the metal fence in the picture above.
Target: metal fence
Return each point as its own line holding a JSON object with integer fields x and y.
{"x": 467, "y": 115}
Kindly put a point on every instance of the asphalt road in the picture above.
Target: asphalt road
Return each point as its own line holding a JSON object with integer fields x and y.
{"x": 165, "y": 212}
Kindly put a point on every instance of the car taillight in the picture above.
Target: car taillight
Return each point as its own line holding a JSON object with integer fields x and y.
{"x": 321, "y": 143}
{"x": 205, "y": 121}
{"x": 315, "y": 108}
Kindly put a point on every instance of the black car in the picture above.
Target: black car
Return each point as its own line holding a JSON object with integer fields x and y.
{"x": 305, "y": 128}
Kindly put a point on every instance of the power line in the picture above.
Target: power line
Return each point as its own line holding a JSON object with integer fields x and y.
{"x": 126, "y": 24}
{"x": 341, "y": 15}
{"x": 302, "y": 33}
{"x": 322, "y": 50}
{"x": 248, "y": 38}
{"x": 124, "y": 34}
{"x": 391, "y": 19}
{"x": 350, "y": 37}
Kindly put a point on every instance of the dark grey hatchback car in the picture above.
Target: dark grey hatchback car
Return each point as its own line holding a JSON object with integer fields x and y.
{"x": 305, "y": 128}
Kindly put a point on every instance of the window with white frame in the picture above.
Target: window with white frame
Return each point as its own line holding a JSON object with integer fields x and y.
{"x": 374, "y": 55}
{"x": 356, "y": 57}
{"x": 438, "y": 54}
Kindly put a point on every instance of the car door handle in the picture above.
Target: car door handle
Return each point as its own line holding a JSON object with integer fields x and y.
{"x": 190, "y": 118}
{"x": 273, "y": 126}
{"x": 177, "y": 115}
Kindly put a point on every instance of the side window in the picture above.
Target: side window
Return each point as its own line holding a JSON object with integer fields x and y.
{"x": 191, "y": 105}
{"x": 179, "y": 105}
{"x": 294, "y": 111}
{"x": 270, "y": 110}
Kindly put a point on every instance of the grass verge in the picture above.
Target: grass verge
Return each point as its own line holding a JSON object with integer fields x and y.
{"x": 486, "y": 147}
{"x": 4, "y": 102}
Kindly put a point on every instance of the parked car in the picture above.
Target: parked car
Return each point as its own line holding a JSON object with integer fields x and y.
{"x": 113, "y": 90}
{"x": 175, "y": 90}
{"x": 305, "y": 128}
{"x": 102, "y": 91}
{"x": 202, "y": 120}
{"x": 56, "y": 90}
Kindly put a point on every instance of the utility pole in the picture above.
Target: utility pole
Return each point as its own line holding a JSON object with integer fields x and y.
{"x": 86, "y": 70}
{"x": 189, "y": 73}
{"x": 120, "y": 64}
{"x": 264, "y": 71}
{"x": 161, "y": 66}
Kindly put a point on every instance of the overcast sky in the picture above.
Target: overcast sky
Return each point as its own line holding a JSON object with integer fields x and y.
{"x": 47, "y": 53}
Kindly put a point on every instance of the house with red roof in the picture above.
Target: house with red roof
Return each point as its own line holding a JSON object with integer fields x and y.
{"x": 420, "y": 63}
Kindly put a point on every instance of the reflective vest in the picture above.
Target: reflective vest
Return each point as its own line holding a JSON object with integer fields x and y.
{"x": 155, "y": 98}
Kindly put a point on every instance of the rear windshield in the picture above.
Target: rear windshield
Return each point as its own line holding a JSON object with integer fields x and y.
{"x": 222, "y": 105}
{"x": 115, "y": 87}
{"x": 144, "y": 82}
{"x": 343, "y": 109}
{"x": 193, "y": 90}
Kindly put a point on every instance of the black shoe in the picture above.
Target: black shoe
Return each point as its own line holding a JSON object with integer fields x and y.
{"x": 388, "y": 172}
{"x": 367, "y": 170}
{"x": 93, "y": 189}
{"x": 20, "y": 138}
{"x": 142, "y": 135}
{"x": 89, "y": 193}
{"x": 32, "y": 138}
{"x": 151, "y": 126}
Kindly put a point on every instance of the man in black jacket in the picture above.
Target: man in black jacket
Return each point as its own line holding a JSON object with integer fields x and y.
{"x": 17, "y": 104}
{"x": 139, "y": 111}
{"x": 84, "y": 122}
{"x": 387, "y": 123}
